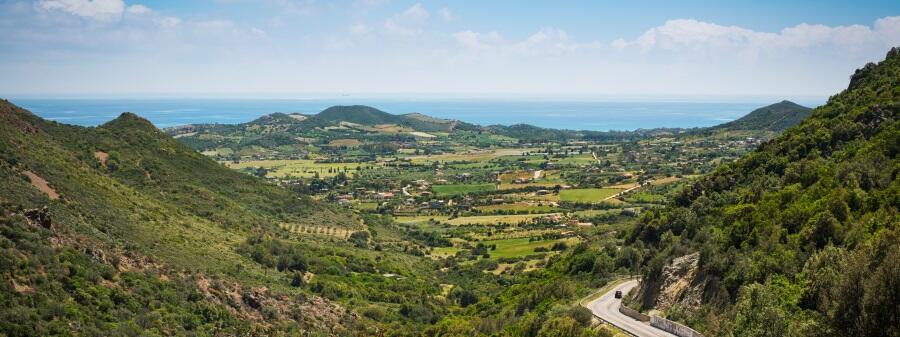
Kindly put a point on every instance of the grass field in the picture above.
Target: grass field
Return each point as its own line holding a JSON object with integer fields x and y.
{"x": 544, "y": 184}
{"x": 297, "y": 168}
{"x": 582, "y": 159}
{"x": 442, "y": 252}
{"x": 522, "y": 246}
{"x": 587, "y": 194}
{"x": 543, "y": 208}
{"x": 467, "y": 156}
{"x": 456, "y": 189}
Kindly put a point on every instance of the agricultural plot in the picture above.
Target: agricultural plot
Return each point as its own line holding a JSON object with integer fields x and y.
{"x": 301, "y": 168}
{"x": 577, "y": 160}
{"x": 420, "y": 218}
{"x": 483, "y": 155}
{"x": 317, "y": 230}
{"x": 519, "y": 207}
{"x": 529, "y": 265}
{"x": 495, "y": 219}
{"x": 588, "y": 194}
{"x": 519, "y": 247}
{"x": 443, "y": 252}
{"x": 457, "y": 189}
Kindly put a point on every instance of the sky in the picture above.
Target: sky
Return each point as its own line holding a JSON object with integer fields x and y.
{"x": 311, "y": 48}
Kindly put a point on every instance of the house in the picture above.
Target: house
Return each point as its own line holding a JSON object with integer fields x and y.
{"x": 629, "y": 211}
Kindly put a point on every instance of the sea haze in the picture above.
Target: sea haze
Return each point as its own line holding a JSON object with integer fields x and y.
{"x": 577, "y": 115}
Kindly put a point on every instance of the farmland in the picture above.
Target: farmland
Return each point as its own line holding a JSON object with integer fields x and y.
{"x": 482, "y": 208}
{"x": 299, "y": 168}
{"x": 457, "y": 189}
{"x": 588, "y": 194}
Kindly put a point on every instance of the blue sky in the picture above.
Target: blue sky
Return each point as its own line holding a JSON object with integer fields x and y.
{"x": 310, "y": 48}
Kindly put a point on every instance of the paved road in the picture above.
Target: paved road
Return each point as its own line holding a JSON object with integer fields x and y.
{"x": 607, "y": 308}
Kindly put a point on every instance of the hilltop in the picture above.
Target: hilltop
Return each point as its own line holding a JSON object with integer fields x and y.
{"x": 799, "y": 237}
{"x": 776, "y": 117}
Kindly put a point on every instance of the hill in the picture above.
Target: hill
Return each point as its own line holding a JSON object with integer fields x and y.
{"x": 799, "y": 237}
{"x": 122, "y": 230}
{"x": 776, "y": 117}
{"x": 359, "y": 114}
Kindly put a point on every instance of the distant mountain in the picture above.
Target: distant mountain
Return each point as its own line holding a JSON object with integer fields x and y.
{"x": 359, "y": 114}
{"x": 287, "y": 135}
{"x": 369, "y": 116}
{"x": 776, "y": 117}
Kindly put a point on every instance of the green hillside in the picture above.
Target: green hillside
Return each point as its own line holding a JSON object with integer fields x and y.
{"x": 776, "y": 117}
{"x": 359, "y": 114}
{"x": 798, "y": 238}
{"x": 122, "y": 230}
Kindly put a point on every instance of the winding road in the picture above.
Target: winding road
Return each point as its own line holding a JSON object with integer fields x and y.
{"x": 606, "y": 307}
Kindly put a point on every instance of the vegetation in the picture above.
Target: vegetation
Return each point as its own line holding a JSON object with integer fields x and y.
{"x": 801, "y": 236}
{"x": 355, "y": 221}
{"x": 776, "y": 117}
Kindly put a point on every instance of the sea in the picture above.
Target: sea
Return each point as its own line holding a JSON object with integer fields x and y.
{"x": 597, "y": 115}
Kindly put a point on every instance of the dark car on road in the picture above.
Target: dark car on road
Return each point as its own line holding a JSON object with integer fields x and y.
{"x": 618, "y": 294}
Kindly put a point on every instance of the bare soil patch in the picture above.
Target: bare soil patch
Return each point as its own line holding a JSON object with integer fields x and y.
{"x": 102, "y": 157}
{"x": 42, "y": 185}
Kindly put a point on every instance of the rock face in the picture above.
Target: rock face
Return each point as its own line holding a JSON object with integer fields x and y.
{"x": 678, "y": 285}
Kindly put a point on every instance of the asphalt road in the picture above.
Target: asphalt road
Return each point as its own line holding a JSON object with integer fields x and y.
{"x": 607, "y": 308}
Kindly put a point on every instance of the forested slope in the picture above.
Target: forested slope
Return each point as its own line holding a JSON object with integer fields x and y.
{"x": 800, "y": 237}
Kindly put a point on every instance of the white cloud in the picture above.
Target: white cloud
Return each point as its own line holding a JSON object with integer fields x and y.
{"x": 545, "y": 41}
{"x": 688, "y": 35}
{"x": 100, "y": 10}
{"x": 446, "y": 14}
{"x": 473, "y": 40}
{"x": 214, "y": 25}
{"x": 138, "y": 9}
{"x": 167, "y": 22}
{"x": 408, "y": 22}
{"x": 297, "y": 7}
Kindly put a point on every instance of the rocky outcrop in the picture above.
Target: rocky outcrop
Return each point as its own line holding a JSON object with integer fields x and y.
{"x": 678, "y": 284}
{"x": 39, "y": 217}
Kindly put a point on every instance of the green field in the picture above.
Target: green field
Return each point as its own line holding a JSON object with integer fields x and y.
{"x": 543, "y": 208}
{"x": 298, "y": 168}
{"x": 587, "y": 194}
{"x": 442, "y": 252}
{"x": 522, "y": 246}
{"x": 456, "y": 189}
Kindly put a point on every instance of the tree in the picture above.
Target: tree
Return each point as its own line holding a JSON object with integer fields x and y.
{"x": 297, "y": 279}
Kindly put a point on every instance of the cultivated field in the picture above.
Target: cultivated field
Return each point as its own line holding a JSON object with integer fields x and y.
{"x": 301, "y": 168}
{"x": 495, "y": 219}
{"x": 588, "y": 194}
{"x": 456, "y": 189}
